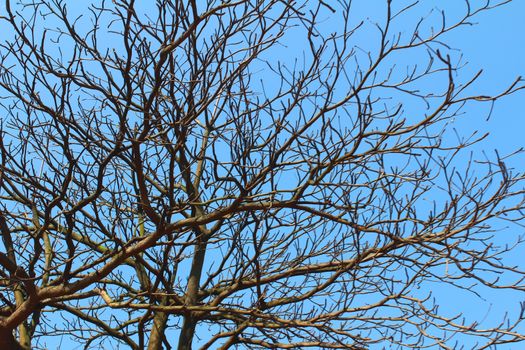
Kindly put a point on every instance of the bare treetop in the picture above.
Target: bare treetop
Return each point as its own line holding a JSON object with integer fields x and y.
{"x": 247, "y": 174}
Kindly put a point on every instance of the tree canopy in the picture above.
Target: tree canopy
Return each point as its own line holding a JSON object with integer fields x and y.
{"x": 240, "y": 174}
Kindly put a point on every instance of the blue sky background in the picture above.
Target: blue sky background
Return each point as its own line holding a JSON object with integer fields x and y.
{"x": 496, "y": 45}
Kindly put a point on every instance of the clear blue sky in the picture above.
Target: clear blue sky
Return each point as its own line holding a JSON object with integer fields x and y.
{"x": 496, "y": 45}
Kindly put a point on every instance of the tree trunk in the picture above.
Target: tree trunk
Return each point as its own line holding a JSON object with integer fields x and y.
{"x": 190, "y": 322}
{"x": 157, "y": 332}
{"x": 8, "y": 341}
{"x": 187, "y": 332}
{"x": 23, "y": 331}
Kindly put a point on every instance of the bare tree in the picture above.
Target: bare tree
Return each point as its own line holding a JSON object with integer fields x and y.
{"x": 245, "y": 174}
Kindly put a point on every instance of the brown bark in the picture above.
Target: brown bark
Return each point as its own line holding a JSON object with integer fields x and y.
{"x": 190, "y": 322}
{"x": 8, "y": 341}
{"x": 157, "y": 331}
